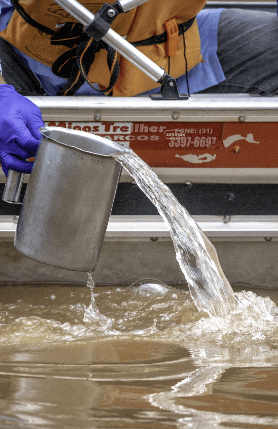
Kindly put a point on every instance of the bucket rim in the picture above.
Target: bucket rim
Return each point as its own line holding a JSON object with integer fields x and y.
{"x": 83, "y": 141}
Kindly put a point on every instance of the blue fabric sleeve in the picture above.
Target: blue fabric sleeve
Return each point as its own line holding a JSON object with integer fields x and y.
{"x": 50, "y": 82}
{"x": 6, "y": 11}
{"x": 209, "y": 72}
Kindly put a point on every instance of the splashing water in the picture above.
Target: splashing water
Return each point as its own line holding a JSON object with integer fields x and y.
{"x": 197, "y": 257}
{"x": 91, "y": 313}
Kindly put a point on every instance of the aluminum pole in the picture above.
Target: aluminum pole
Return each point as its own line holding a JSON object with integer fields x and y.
{"x": 113, "y": 39}
{"x": 130, "y": 4}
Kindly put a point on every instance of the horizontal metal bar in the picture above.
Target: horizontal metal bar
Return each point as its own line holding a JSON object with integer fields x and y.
{"x": 211, "y": 175}
{"x": 199, "y": 108}
{"x": 142, "y": 227}
{"x": 199, "y": 175}
{"x": 213, "y": 226}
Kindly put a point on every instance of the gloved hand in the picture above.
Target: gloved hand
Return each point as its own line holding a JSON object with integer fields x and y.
{"x": 20, "y": 120}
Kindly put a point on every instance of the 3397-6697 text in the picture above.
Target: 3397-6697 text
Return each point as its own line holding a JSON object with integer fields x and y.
{"x": 197, "y": 142}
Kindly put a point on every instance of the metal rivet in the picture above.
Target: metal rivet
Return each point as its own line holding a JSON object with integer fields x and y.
{"x": 15, "y": 219}
{"x": 236, "y": 149}
{"x": 188, "y": 185}
{"x": 226, "y": 218}
{"x": 97, "y": 117}
{"x": 241, "y": 118}
{"x": 268, "y": 238}
{"x": 231, "y": 196}
{"x": 111, "y": 13}
{"x": 175, "y": 116}
{"x": 153, "y": 238}
{"x": 171, "y": 83}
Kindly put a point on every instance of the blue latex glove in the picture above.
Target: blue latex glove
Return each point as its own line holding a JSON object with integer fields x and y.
{"x": 20, "y": 121}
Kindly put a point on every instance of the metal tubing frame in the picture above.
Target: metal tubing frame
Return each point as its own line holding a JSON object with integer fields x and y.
{"x": 130, "y": 4}
{"x": 113, "y": 39}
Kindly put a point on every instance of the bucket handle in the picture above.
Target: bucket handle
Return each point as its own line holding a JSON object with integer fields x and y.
{"x": 13, "y": 186}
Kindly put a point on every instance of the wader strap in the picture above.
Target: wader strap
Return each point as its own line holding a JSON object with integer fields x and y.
{"x": 75, "y": 64}
{"x": 84, "y": 61}
{"x": 69, "y": 34}
{"x": 162, "y": 38}
{"x": 30, "y": 20}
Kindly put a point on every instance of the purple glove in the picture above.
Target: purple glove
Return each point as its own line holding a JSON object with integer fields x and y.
{"x": 20, "y": 121}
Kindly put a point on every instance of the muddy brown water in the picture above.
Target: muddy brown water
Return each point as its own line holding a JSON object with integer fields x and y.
{"x": 135, "y": 357}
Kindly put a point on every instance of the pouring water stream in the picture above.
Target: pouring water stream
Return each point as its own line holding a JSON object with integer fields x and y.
{"x": 197, "y": 257}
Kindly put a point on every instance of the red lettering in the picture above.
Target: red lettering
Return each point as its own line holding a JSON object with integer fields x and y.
{"x": 107, "y": 126}
{"x": 87, "y": 129}
{"x": 124, "y": 129}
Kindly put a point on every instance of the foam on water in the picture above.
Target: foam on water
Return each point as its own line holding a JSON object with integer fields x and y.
{"x": 159, "y": 312}
{"x": 254, "y": 321}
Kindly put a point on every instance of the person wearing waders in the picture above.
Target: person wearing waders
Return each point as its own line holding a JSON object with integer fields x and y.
{"x": 43, "y": 49}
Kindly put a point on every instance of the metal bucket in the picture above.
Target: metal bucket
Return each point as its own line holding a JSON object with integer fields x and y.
{"x": 68, "y": 200}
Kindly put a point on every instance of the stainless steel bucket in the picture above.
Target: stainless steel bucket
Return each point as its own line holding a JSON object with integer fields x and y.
{"x": 68, "y": 200}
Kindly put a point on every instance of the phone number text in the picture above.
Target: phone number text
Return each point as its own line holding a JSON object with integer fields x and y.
{"x": 192, "y": 141}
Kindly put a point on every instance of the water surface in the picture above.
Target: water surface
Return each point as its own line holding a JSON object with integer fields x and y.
{"x": 141, "y": 356}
